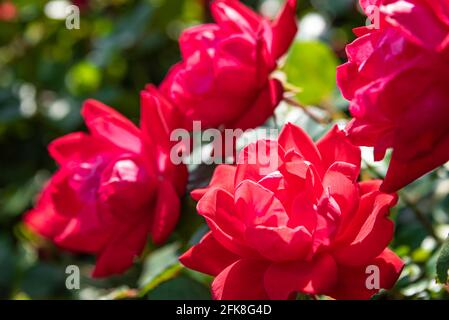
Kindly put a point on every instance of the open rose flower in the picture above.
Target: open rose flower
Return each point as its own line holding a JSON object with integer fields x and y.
{"x": 115, "y": 186}
{"x": 298, "y": 223}
{"x": 396, "y": 80}
{"x": 224, "y": 77}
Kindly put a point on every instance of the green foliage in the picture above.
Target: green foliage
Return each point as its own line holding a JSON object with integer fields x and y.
{"x": 83, "y": 78}
{"x": 7, "y": 263}
{"x": 443, "y": 263}
{"x": 160, "y": 266}
{"x": 311, "y": 67}
{"x": 181, "y": 288}
{"x": 44, "y": 280}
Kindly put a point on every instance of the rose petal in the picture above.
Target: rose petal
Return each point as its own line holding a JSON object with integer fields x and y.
{"x": 223, "y": 178}
{"x": 243, "y": 280}
{"x": 336, "y": 147}
{"x": 313, "y": 277}
{"x": 208, "y": 256}
{"x": 352, "y": 281}
{"x": 108, "y": 124}
{"x": 166, "y": 212}
{"x": 369, "y": 232}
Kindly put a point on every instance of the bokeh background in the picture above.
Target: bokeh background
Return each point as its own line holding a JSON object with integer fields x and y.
{"x": 46, "y": 71}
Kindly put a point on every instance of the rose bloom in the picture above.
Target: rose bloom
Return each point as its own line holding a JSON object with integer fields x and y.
{"x": 396, "y": 80}
{"x": 224, "y": 77}
{"x": 298, "y": 223}
{"x": 8, "y": 11}
{"x": 114, "y": 187}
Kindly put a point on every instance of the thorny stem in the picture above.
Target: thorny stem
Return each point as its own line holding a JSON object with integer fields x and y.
{"x": 295, "y": 103}
{"x": 419, "y": 214}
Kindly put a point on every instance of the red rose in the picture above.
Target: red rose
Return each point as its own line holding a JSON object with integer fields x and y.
{"x": 396, "y": 79}
{"x": 8, "y": 11}
{"x": 304, "y": 225}
{"x": 115, "y": 186}
{"x": 224, "y": 78}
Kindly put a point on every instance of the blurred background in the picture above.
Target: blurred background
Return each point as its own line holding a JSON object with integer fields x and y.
{"x": 47, "y": 70}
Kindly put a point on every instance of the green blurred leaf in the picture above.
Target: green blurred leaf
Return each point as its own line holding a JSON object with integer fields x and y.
{"x": 443, "y": 263}
{"x": 83, "y": 78}
{"x": 311, "y": 66}
{"x": 128, "y": 29}
{"x": 9, "y": 107}
{"x": 156, "y": 264}
{"x": 190, "y": 221}
{"x": 21, "y": 196}
{"x": 44, "y": 281}
{"x": 180, "y": 288}
{"x": 7, "y": 265}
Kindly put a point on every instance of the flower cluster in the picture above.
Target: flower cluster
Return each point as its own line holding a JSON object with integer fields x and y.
{"x": 118, "y": 185}
{"x": 300, "y": 222}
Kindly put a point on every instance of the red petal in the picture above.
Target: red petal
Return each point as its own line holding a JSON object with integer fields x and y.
{"x": 341, "y": 182}
{"x": 262, "y": 108}
{"x": 367, "y": 3}
{"x": 293, "y": 137}
{"x": 121, "y": 250}
{"x": 110, "y": 125}
{"x": 75, "y": 146}
{"x": 208, "y": 256}
{"x": 369, "y": 186}
{"x": 401, "y": 173}
{"x": 257, "y": 160}
{"x": 314, "y": 277}
{"x": 336, "y": 147}
{"x": 243, "y": 280}
{"x": 284, "y": 29}
{"x": 256, "y": 205}
{"x": 82, "y": 234}
{"x": 222, "y": 178}
{"x": 158, "y": 116}
{"x": 43, "y": 219}
{"x": 217, "y": 206}
{"x": 407, "y": 15}
{"x": 369, "y": 232}
{"x": 425, "y": 124}
{"x": 200, "y": 37}
{"x": 166, "y": 212}
{"x": 279, "y": 243}
{"x": 234, "y": 15}
{"x": 352, "y": 281}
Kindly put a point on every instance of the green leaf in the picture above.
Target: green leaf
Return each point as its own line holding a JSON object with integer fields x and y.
{"x": 7, "y": 265}
{"x": 44, "y": 280}
{"x": 180, "y": 288}
{"x": 161, "y": 265}
{"x": 311, "y": 66}
{"x": 443, "y": 263}
{"x": 83, "y": 78}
